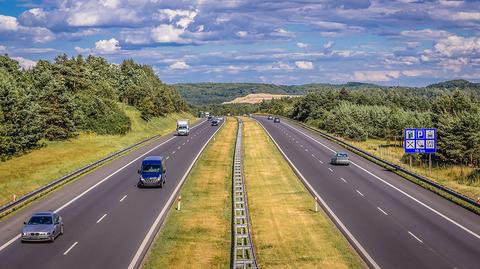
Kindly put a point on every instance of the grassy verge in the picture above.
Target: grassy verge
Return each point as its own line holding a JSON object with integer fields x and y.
{"x": 199, "y": 235}
{"x": 25, "y": 173}
{"x": 287, "y": 233}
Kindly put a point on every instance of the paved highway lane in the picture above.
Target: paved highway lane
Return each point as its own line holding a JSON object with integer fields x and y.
{"x": 107, "y": 218}
{"x": 392, "y": 222}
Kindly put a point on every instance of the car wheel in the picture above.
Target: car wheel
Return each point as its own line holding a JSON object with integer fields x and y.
{"x": 61, "y": 229}
{"x": 52, "y": 239}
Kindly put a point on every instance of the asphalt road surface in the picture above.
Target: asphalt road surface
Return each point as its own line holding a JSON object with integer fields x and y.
{"x": 392, "y": 222}
{"x": 109, "y": 222}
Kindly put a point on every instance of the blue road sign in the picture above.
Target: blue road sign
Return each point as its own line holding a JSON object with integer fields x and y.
{"x": 420, "y": 140}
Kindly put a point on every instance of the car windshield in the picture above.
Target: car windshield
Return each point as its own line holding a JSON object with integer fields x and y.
{"x": 40, "y": 220}
{"x": 151, "y": 168}
{"x": 342, "y": 155}
{"x": 182, "y": 127}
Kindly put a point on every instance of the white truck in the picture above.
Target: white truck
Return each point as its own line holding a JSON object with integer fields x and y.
{"x": 182, "y": 127}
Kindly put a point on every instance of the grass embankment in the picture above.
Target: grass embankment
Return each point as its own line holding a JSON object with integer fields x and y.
{"x": 199, "y": 236}
{"x": 287, "y": 233}
{"x": 25, "y": 173}
{"x": 451, "y": 176}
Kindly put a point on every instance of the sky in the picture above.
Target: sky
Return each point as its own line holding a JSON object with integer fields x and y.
{"x": 387, "y": 42}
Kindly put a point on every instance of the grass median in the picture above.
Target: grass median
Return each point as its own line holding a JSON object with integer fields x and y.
{"x": 199, "y": 236}
{"x": 28, "y": 172}
{"x": 286, "y": 231}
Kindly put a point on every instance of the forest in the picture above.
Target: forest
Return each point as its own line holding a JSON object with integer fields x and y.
{"x": 57, "y": 100}
{"x": 452, "y": 107}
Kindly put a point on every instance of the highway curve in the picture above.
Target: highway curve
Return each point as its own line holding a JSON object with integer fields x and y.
{"x": 391, "y": 222}
{"x": 108, "y": 220}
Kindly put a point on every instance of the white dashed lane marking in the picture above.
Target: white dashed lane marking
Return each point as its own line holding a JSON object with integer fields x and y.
{"x": 381, "y": 210}
{"x": 70, "y": 248}
{"x": 123, "y": 198}
{"x": 360, "y": 193}
{"x": 414, "y": 236}
{"x": 100, "y": 219}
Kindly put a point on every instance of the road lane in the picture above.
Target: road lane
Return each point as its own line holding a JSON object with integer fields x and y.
{"x": 113, "y": 241}
{"x": 355, "y": 196}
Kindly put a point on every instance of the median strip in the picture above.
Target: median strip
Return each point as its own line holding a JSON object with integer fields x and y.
{"x": 285, "y": 227}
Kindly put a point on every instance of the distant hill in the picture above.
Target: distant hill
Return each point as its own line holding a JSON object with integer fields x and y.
{"x": 255, "y": 98}
{"x": 218, "y": 93}
{"x": 460, "y": 84}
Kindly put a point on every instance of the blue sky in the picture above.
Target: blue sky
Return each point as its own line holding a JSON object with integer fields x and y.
{"x": 403, "y": 42}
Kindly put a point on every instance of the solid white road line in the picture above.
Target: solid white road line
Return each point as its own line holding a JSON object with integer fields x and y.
{"x": 340, "y": 224}
{"x": 381, "y": 210}
{"x": 94, "y": 186}
{"x": 123, "y": 198}
{"x": 414, "y": 236}
{"x": 70, "y": 248}
{"x": 360, "y": 193}
{"x": 397, "y": 189}
{"x": 100, "y": 219}
{"x": 155, "y": 224}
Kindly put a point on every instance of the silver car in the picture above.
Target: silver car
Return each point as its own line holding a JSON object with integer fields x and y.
{"x": 42, "y": 226}
{"x": 340, "y": 158}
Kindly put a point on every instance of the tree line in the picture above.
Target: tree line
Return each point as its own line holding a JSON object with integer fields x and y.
{"x": 384, "y": 113}
{"x": 56, "y": 100}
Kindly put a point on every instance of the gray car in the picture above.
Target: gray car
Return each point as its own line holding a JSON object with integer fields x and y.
{"x": 340, "y": 158}
{"x": 42, "y": 226}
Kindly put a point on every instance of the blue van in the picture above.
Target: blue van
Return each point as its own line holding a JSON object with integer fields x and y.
{"x": 153, "y": 172}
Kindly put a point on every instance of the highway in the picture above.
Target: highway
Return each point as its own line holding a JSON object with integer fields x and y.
{"x": 391, "y": 222}
{"x": 109, "y": 222}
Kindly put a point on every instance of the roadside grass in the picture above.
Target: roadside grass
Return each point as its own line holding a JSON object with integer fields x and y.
{"x": 199, "y": 236}
{"x": 28, "y": 172}
{"x": 286, "y": 231}
{"x": 451, "y": 176}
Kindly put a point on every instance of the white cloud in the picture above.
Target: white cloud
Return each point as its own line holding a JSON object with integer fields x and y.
{"x": 242, "y": 34}
{"x": 180, "y": 65}
{"x": 451, "y": 3}
{"x": 3, "y": 49}
{"x": 107, "y": 46}
{"x": 306, "y": 65}
{"x": 328, "y": 45}
{"x": 426, "y": 34}
{"x": 25, "y": 63}
{"x": 328, "y": 25}
{"x": 201, "y": 28}
{"x": 466, "y": 16}
{"x": 166, "y": 33}
{"x": 302, "y": 45}
{"x": 184, "y": 17}
{"x": 376, "y": 75}
{"x": 8, "y": 23}
{"x": 279, "y": 32}
{"x": 457, "y": 45}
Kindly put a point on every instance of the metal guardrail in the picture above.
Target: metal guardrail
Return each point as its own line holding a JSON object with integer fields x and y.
{"x": 70, "y": 175}
{"x": 392, "y": 165}
{"x": 243, "y": 254}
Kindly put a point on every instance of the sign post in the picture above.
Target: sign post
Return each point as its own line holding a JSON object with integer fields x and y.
{"x": 420, "y": 140}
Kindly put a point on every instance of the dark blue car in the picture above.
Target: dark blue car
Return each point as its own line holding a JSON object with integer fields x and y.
{"x": 153, "y": 172}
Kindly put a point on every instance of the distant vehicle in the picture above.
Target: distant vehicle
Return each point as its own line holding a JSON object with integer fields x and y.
{"x": 276, "y": 120}
{"x": 153, "y": 172}
{"x": 340, "y": 158}
{"x": 207, "y": 114}
{"x": 215, "y": 122}
{"x": 244, "y": 114}
{"x": 269, "y": 117}
{"x": 42, "y": 226}
{"x": 250, "y": 115}
{"x": 209, "y": 118}
{"x": 182, "y": 127}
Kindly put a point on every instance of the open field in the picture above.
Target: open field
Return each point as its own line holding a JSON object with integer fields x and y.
{"x": 452, "y": 176}
{"x": 286, "y": 231}
{"x": 25, "y": 173}
{"x": 199, "y": 236}
{"x": 255, "y": 98}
